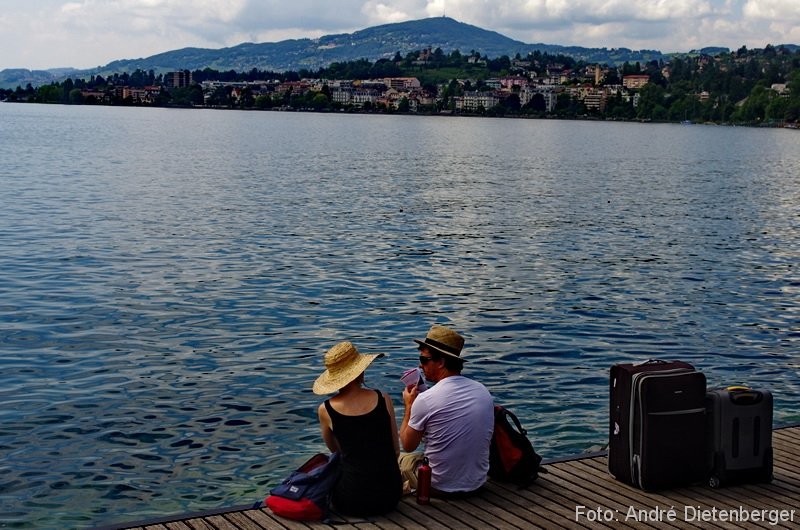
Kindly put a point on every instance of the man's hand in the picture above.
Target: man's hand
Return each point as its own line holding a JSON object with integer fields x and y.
{"x": 410, "y": 393}
{"x": 409, "y": 438}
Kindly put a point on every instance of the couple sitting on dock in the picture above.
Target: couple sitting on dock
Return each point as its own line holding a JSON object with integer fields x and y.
{"x": 455, "y": 417}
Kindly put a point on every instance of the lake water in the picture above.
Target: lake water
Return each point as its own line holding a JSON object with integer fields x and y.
{"x": 171, "y": 279}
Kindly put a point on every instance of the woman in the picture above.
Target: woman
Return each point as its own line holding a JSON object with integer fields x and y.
{"x": 360, "y": 424}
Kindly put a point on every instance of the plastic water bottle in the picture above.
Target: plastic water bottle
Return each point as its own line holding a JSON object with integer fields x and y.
{"x": 424, "y": 482}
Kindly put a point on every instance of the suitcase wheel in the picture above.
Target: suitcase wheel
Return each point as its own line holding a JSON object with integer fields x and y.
{"x": 714, "y": 482}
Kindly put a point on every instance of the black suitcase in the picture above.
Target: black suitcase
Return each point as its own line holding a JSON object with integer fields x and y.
{"x": 657, "y": 427}
{"x": 739, "y": 436}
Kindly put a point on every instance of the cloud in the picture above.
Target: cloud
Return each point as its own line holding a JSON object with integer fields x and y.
{"x": 86, "y": 33}
{"x": 148, "y": 18}
{"x": 784, "y": 10}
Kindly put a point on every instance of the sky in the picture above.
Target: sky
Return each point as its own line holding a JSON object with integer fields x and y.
{"x": 43, "y": 34}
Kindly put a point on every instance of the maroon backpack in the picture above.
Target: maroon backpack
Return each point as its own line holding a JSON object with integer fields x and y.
{"x": 511, "y": 455}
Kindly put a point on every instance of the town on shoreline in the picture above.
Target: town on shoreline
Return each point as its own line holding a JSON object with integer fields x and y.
{"x": 746, "y": 87}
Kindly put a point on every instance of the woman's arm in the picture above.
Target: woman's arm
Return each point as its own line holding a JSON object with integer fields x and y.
{"x": 326, "y": 426}
{"x": 395, "y": 438}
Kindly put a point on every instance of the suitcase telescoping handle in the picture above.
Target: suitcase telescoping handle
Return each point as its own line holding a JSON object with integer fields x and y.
{"x": 744, "y": 395}
{"x": 653, "y": 361}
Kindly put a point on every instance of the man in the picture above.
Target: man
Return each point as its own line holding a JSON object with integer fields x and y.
{"x": 455, "y": 416}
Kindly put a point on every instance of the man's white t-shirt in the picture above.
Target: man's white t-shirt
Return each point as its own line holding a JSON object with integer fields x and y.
{"x": 457, "y": 417}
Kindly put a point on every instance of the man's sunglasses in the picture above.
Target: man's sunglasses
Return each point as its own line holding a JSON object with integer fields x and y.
{"x": 424, "y": 360}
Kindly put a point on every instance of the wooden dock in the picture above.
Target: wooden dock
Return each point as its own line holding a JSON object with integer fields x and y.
{"x": 574, "y": 493}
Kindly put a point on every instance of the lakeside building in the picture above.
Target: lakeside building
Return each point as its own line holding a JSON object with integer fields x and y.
{"x": 547, "y": 93}
{"x": 392, "y": 92}
{"x": 402, "y": 83}
{"x": 543, "y": 92}
{"x": 474, "y": 101}
{"x": 179, "y": 79}
{"x": 635, "y": 81}
{"x": 143, "y": 96}
{"x": 97, "y": 96}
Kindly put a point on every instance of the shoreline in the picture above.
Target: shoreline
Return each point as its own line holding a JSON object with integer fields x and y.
{"x": 443, "y": 114}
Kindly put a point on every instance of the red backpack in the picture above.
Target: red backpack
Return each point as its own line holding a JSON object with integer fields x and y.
{"x": 511, "y": 455}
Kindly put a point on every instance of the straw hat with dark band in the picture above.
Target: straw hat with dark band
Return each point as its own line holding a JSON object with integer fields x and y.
{"x": 344, "y": 363}
{"x": 443, "y": 340}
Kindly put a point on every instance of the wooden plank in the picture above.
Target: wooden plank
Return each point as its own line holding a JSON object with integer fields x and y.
{"x": 240, "y": 520}
{"x": 265, "y": 519}
{"x": 791, "y": 432}
{"x": 786, "y": 437}
{"x": 637, "y": 497}
{"x": 584, "y": 493}
{"x": 177, "y": 525}
{"x": 436, "y": 513}
{"x": 727, "y": 499}
{"x": 493, "y": 506}
{"x": 788, "y": 449}
{"x": 384, "y": 523}
{"x": 221, "y": 523}
{"x": 409, "y": 512}
{"x": 648, "y": 500}
{"x": 707, "y": 498}
{"x": 199, "y": 523}
{"x": 550, "y": 514}
{"x": 549, "y": 496}
{"x": 784, "y": 486}
{"x": 566, "y": 496}
{"x": 636, "y": 500}
{"x": 550, "y": 503}
{"x": 510, "y": 502}
{"x": 631, "y": 503}
{"x": 786, "y": 472}
{"x": 468, "y": 516}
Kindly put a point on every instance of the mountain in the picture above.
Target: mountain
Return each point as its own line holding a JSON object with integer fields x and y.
{"x": 378, "y": 42}
{"x": 11, "y": 78}
{"x": 373, "y": 43}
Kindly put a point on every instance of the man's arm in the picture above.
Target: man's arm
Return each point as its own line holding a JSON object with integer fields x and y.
{"x": 409, "y": 437}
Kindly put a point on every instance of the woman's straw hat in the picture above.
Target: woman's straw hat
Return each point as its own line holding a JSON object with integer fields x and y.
{"x": 344, "y": 363}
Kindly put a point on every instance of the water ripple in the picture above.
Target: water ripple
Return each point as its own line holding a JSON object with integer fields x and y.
{"x": 170, "y": 281}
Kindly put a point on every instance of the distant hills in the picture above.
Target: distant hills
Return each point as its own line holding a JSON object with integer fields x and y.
{"x": 372, "y": 43}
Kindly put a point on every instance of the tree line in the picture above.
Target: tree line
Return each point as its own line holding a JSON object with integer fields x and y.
{"x": 732, "y": 87}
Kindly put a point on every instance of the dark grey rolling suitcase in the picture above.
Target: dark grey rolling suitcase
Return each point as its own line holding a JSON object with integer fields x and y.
{"x": 739, "y": 436}
{"x": 657, "y": 424}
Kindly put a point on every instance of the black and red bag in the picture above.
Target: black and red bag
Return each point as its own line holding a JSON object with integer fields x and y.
{"x": 305, "y": 495}
{"x": 511, "y": 454}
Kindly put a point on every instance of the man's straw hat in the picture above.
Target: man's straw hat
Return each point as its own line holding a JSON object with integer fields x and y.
{"x": 344, "y": 363}
{"x": 443, "y": 340}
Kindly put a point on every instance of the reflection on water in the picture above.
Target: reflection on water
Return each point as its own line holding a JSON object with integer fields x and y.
{"x": 171, "y": 279}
